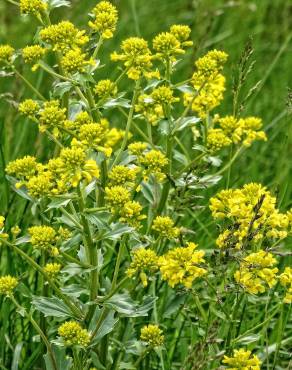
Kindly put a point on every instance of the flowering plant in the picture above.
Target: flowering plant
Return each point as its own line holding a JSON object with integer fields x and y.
{"x": 120, "y": 280}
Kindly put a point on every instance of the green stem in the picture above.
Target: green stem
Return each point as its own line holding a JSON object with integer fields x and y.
{"x": 75, "y": 310}
{"x": 39, "y": 331}
{"x": 129, "y": 124}
{"x": 37, "y": 93}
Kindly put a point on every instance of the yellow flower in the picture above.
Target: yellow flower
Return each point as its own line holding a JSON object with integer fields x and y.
{"x": 75, "y": 167}
{"x": 32, "y": 54}
{"x": 2, "y": 220}
{"x": 75, "y": 61}
{"x": 6, "y": 53}
{"x": 122, "y": 175}
{"x": 182, "y": 265}
{"x": 144, "y": 262}
{"x": 253, "y": 212}
{"x": 42, "y": 237}
{"x": 117, "y": 196}
{"x": 242, "y": 360}
{"x": 164, "y": 95}
{"x": 105, "y": 88}
{"x": 52, "y": 116}
{"x": 41, "y": 185}
{"x": 256, "y": 272}
{"x": 216, "y": 140}
{"x": 91, "y": 135}
{"x": 52, "y": 269}
{"x": 182, "y": 33}
{"x": 137, "y": 148}
{"x": 23, "y": 168}
{"x": 164, "y": 226}
{"x": 7, "y": 284}
{"x": 167, "y": 46}
{"x": 208, "y": 82}
{"x": 130, "y": 213}
{"x": 105, "y": 19}
{"x": 286, "y": 281}
{"x": 63, "y": 36}
{"x": 152, "y": 335}
{"x": 155, "y": 163}
{"x": 73, "y": 335}
{"x": 29, "y": 108}
{"x": 135, "y": 55}
{"x": 32, "y": 6}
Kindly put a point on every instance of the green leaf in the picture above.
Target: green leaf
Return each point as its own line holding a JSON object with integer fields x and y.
{"x": 106, "y": 327}
{"x": 248, "y": 339}
{"x": 126, "y": 306}
{"x": 117, "y": 230}
{"x": 173, "y": 305}
{"x": 51, "y": 307}
{"x": 58, "y": 203}
{"x": 58, "y": 3}
{"x": 185, "y": 122}
{"x": 74, "y": 290}
{"x": 62, "y": 88}
{"x": 16, "y": 356}
{"x": 63, "y": 362}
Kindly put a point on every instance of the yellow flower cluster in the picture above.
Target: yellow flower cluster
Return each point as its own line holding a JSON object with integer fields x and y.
{"x": 73, "y": 335}
{"x": 75, "y": 61}
{"x": 137, "y": 148}
{"x": 170, "y": 44}
{"x": 52, "y": 269}
{"x": 129, "y": 211}
{"x": 164, "y": 226}
{"x": 254, "y": 215}
{"x": 208, "y": 82}
{"x": 135, "y": 55}
{"x": 232, "y": 130}
{"x": 144, "y": 262}
{"x": 286, "y": 281}
{"x": 123, "y": 175}
{"x": 154, "y": 163}
{"x": 32, "y": 6}
{"x": 182, "y": 265}
{"x": 216, "y": 140}
{"x": 256, "y": 271}
{"x": 105, "y": 88}
{"x": 32, "y": 54}
{"x": 6, "y": 53}
{"x": 7, "y": 284}
{"x": 63, "y": 36}
{"x": 29, "y": 108}
{"x": 242, "y": 360}
{"x": 43, "y": 237}
{"x": 153, "y": 106}
{"x": 105, "y": 19}
{"x": 52, "y": 116}
{"x": 2, "y": 220}
{"x": 23, "y": 169}
{"x": 152, "y": 335}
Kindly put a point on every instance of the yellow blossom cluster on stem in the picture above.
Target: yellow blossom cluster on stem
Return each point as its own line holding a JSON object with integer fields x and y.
{"x": 208, "y": 82}
{"x": 286, "y": 282}
{"x": 75, "y": 61}
{"x": 242, "y": 360}
{"x": 253, "y": 214}
{"x": 7, "y": 284}
{"x": 43, "y": 237}
{"x": 152, "y": 335}
{"x": 182, "y": 265}
{"x": 105, "y": 19}
{"x": 32, "y": 6}
{"x": 33, "y": 54}
{"x": 153, "y": 106}
{"x": 63, "y": 36}
{"x": 257, "y": 272}
{"x": 144, "y": 262}
{"x": 72, "y": 334}
{"x": 119, "y": 200}
{"x": 164, "y": 226}
{"x": 105, "y": 89}
{"x": 234, "y": 131}
{"x": 168, "y": 45}
{"x": 6, "y": 53}
{"x": 52, "y": 269}
{"x": 136, "y": 56}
